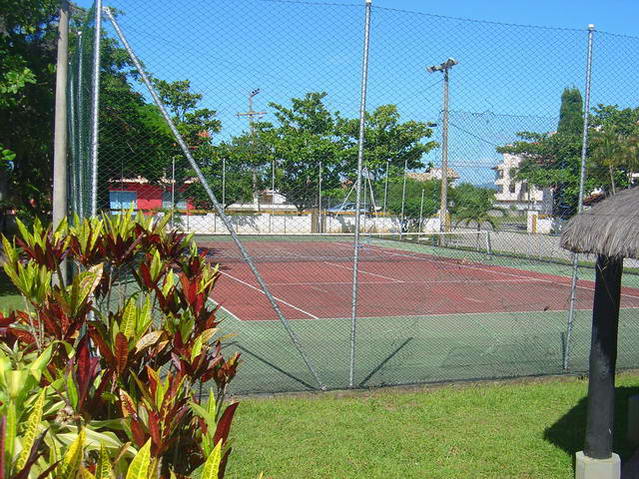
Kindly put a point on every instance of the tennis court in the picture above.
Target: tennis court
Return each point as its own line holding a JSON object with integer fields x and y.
{"x": 311, "y": 278}
{"x": 427, "y": 311}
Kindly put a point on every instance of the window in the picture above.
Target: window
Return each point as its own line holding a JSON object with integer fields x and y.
{"x": 524, "y": 188}
{"x": 122, "y": 200}
{"x": 512, "y": 188}
{"x": 180, "y": 203}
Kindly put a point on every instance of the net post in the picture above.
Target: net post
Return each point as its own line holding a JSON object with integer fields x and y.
{"x": 582, "y": 180}
{"x": 360, "y": 161}
{"x": 220, "y": 210}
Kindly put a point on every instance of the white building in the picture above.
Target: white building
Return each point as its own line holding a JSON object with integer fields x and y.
{"x": 517, "y": 194}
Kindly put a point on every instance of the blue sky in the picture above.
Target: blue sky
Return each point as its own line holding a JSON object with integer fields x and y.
{"x": 509, "y": 78}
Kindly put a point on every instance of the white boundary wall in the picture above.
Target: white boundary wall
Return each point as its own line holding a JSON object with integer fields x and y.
{"x": 257, "y": 223}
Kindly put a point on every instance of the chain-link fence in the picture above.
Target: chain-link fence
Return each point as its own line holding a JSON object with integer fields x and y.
{"x": 470, "y": 165}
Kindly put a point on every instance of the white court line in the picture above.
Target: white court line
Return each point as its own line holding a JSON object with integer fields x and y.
{"x": 219, "y": 306}
{"x": 279, "y": 300}
{"x": 478, "y": 268}
{"x": 364, "y": 272}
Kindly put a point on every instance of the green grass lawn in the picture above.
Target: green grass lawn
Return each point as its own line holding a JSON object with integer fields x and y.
{"x": 9, "y": 298}
{"x": 524, "y": 429}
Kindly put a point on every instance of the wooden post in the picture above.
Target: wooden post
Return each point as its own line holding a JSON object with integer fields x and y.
{"x": 603, "y": 357}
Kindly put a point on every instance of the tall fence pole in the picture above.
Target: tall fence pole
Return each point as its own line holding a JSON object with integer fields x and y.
{"x": 218, "y": 208}
{"x": 582, "y": 180}
{"x": 421, "y": 212}
{"x": 386, "y": 186}
{"x": 60, "y": 168}
{"x": 358, "y": 183}
{"x": 401, "y": 214}
{"x": 223, "y": 183}
{"x": 80, "y": 172}
{"x": 319, "y": 198}
{"x": 95, "y": 107}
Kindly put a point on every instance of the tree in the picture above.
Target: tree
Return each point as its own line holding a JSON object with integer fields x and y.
{"x": 615, "y": 142}
{"x": 411, "y": 203}
{"x": 571, "y": 120}
{"x": 27, "y": 76}
{"x": 552, "y": 160}
{"x": 228, "y": 174}
{"x": 473, "y": 205}
{"x": 305, "y": 136}
{"x": 388, "y": 141}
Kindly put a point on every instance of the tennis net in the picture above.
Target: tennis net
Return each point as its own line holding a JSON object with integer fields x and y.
{"x": 385, "y": 247}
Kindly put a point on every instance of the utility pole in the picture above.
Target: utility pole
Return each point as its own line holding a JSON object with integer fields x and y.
{"x": 443, "y": 208}
{"x": 250, "y": 115}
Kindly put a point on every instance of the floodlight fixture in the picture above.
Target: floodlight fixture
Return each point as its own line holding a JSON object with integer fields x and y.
{"x": 451, "y": 62}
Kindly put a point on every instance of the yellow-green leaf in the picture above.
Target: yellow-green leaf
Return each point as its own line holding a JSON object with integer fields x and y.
{"x": 72, "y": 459}
{"x": 85, "y": 474}
{"x": 29, "y": 435}
{"x": 139, "y": 467}
{"x": 127, "y": 325}
{"x": 103, "y": 469}
{"x": 212, "y": 464}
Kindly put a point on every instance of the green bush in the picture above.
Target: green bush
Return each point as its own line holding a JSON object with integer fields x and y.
{"x": 98, "y": 374}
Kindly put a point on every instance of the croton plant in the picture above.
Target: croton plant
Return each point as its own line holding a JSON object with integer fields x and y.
{"x": 115, "y": 370}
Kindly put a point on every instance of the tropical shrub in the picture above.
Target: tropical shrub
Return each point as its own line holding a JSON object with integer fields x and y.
{"x": 110, "y": 365}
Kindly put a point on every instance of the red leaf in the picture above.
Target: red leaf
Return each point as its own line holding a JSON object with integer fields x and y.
{"x": 104, "y": 349}
{"x": 154, "y": 428}
{"x": 139, "y": 436}
{"x": 121, "y": 353}
{"x": 224, "y": 424}
{"x": 86, "y": 367}
{"x": 222, "y": 470}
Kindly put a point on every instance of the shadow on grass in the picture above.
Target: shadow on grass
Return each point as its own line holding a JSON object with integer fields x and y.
{"x": 569, "y": 431}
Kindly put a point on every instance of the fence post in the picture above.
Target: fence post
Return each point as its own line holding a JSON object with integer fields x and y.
{"x": 95, "y": 107}
{"x": 358, "y": 183}
{"x": 582, "y": 179}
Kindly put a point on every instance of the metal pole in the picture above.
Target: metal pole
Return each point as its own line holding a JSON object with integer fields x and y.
{"x": 386, "y": 186}
{"x": 580, "y": 207}
{"x": 443, "y": 208}
{"x": 95, "y": 106}
{"x": 223, "y": 183}
{"x": 220, "y": 211}
{"x": 401, "y": 216}
{"x": 421, "y": 212}
{"x": 82, "y": 164}
{"x": 319, "y": 199}
{"x": 360, "y": 162}
{"x": 172, "y": 191}
{"x": 273, "y": 176}
{"x": 60, "y": 129}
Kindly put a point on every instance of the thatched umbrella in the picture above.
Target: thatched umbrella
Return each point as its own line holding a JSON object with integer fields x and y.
{"x": 610, "y": 229}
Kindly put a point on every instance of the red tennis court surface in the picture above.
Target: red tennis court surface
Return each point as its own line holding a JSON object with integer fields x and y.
{"x": 312, "y": 280}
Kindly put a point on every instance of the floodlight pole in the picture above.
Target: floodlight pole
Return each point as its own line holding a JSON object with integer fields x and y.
{"x": 580, "y": 206}
{"x": 443, "y": 208}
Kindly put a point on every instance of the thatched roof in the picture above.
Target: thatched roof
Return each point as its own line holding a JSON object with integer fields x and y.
{"x": 611, "y": 227}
